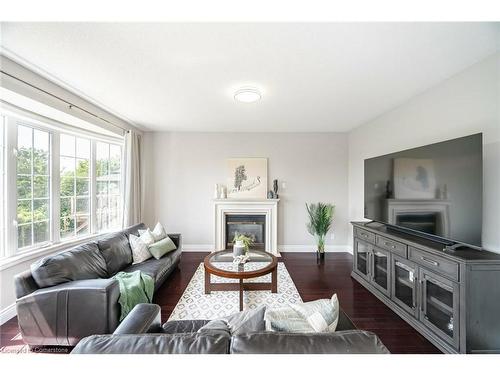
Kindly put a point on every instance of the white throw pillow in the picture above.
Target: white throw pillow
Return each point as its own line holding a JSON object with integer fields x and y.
{"x": 159, "y": 232}
{"x": 322, "y": 315}
{"x": 140, "y": 251}
{"x": 147, "y": 237}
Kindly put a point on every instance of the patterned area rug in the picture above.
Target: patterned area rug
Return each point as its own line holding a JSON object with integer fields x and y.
{"x": 195, "y": 304}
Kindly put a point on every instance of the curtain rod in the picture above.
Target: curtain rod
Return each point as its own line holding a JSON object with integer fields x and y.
{"x": 69, "y": 104}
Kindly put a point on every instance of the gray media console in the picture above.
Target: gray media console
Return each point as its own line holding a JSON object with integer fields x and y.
{"x": 452, "y": 297}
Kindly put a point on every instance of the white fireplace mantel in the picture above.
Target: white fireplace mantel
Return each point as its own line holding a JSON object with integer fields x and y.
{"x": 267, "y": 207}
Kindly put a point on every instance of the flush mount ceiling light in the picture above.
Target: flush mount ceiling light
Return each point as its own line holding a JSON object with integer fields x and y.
{"x": 247, "y": 95}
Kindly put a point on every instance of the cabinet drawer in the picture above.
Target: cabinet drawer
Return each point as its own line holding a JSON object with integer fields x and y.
{"x": 433, "y": 262}
{"x": 365, "y": 235}
{"x": 391, "y": 245}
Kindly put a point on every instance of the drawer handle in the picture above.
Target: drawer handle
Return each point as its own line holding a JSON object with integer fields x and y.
{"x": 389, "y": 245}
{"x": 433, "y": 262}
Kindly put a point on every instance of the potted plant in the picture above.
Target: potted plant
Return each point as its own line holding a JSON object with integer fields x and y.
{"x": 320, "y": 221}
{"x": 241, "y": 244}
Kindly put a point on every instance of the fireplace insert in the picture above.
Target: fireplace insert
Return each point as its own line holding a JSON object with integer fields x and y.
{"x": 253, "y": 226}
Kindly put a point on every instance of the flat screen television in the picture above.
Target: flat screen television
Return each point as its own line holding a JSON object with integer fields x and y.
{"x": 433, "y": 191}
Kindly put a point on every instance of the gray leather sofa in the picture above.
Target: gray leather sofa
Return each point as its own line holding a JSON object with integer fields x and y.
{"x": 69, "y": 296}
{"x": 141, "y": 333}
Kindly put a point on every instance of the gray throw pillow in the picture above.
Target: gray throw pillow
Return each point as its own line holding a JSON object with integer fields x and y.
{"x": 242, "y": 322}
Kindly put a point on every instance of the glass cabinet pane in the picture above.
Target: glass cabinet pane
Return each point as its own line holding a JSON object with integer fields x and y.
{"x": 362, "y": 250}
{"x": 404, "y": 284}
{"x": 380, "y": 264}
{"x": 439, "y": 306}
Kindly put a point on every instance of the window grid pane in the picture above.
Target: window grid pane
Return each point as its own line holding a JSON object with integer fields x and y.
{"x": 75, "y": 187}
{"x": 33, "y": 186}
{"x": 108, "y": 185}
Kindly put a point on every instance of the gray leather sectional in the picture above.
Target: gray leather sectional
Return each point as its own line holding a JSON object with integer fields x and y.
{"x": 141, "y": 332}
{"x": 68, "y": 296}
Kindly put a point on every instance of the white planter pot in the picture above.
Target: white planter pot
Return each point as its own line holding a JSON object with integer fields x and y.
{"x": 238, "y": 248}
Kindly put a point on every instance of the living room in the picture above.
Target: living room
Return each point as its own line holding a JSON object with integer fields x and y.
{"x": 249, "y": 187}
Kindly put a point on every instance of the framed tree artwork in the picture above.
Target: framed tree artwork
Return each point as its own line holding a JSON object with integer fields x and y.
{"x": 247, "y": 178}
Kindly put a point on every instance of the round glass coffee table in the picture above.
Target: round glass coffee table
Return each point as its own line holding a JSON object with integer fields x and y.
{"x": 220, "y": 263}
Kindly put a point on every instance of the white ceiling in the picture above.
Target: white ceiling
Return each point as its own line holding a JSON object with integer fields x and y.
{"x": 314, "y": 77}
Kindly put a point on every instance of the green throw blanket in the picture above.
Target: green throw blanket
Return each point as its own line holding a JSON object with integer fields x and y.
{"x": 135, "y": 287}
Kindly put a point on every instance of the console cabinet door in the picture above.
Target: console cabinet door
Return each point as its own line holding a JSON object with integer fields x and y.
{"x": 362, "y": 251}
{"x": 380, "y": 270}
{"x": 404, "y": 284}
{"x": 439, "y": 306}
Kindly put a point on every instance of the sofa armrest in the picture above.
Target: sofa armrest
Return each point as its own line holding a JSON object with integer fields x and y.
{"x": 343, "y": 342}
{"x": 176, "y": 238}
{"x": 65, "y": 313}
{"x": 143, "y": 318}
{"x": 24, "y": 284}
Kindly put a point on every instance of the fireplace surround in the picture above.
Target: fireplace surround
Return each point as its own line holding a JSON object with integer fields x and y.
{"x": 265, "y": 210}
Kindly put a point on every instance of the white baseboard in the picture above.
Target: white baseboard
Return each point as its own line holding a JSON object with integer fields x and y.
{"x": 282, "y": 248}
{"x": 197, "y": 247}
{"x": 8, "y": 313}
{"x": 312, "y": 248}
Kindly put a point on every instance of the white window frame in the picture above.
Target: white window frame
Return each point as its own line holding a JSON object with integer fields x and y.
{"x": 9, "y": 217}
{"x": 3, "y": 120}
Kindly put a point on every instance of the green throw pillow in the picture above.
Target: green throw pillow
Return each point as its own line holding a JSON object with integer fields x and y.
{"x": 160, "y": 248}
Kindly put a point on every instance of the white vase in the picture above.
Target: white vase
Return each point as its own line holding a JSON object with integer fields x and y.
{"x": 238, "y": 248}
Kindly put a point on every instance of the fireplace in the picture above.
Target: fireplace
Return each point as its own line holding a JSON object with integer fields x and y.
{"x": 253, "y": 226}
{"x": 225, "y": 208}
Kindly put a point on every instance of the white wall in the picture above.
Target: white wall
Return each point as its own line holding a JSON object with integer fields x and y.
{"x": 465, "y": 104}
{"x": 185, "y": 166}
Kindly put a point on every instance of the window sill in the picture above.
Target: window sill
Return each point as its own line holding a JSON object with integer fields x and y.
{"x": 14, "y": 260}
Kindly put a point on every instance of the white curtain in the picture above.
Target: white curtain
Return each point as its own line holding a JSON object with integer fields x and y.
{"x": 132, "y": 185}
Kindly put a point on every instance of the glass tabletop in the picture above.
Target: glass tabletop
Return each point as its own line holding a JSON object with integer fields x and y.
{"x": 223, "y": 260}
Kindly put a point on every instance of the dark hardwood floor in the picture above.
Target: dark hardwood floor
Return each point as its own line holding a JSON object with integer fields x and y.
{"x": 313, "y": 281}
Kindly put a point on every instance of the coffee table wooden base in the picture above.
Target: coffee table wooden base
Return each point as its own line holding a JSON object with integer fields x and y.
{"x": 241, "y": 286}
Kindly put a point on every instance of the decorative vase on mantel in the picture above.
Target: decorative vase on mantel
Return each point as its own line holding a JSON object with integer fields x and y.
{"x": 239, "y": 248}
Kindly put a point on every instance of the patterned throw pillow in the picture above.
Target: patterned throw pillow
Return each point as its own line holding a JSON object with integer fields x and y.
{"x": 322, "y": 315}
{"x": 286, "y": 319}
{"x": 140, "y": 251}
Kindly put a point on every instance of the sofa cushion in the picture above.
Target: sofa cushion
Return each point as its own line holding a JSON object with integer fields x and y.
{"x": 116, "y": 251}
{"x": 174, "y": 256}
{"x": 80, "y": 263}
{"x": 156, "y": 268}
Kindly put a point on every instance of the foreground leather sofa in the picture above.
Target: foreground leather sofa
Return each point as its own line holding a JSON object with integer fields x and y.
{"x": 68, "y": 296}
{"x": 141, "y": 333}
